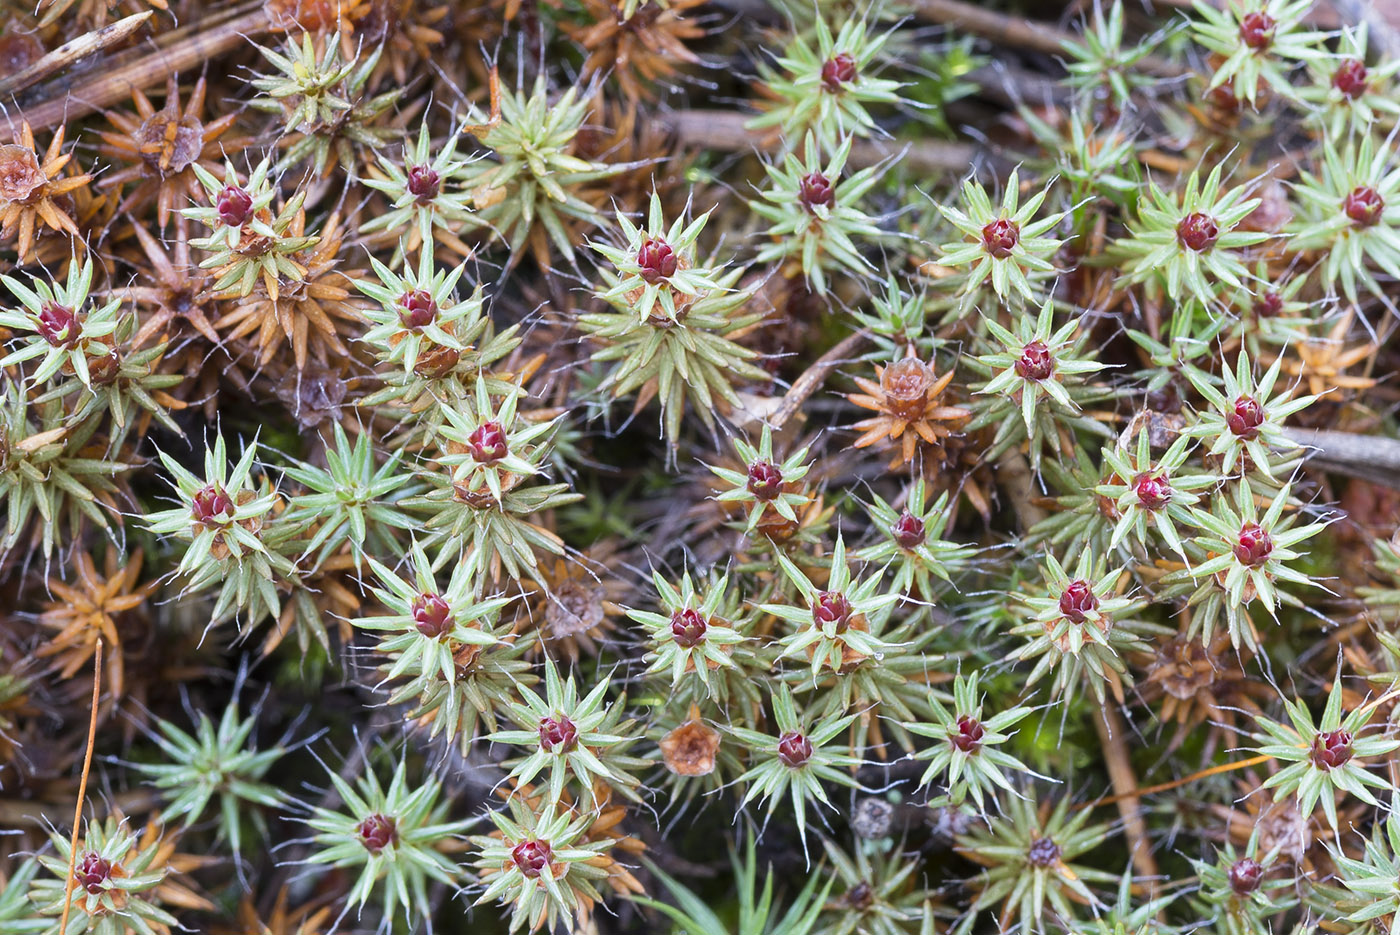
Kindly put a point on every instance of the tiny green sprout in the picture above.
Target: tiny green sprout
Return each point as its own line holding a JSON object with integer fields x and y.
{"x": 540, "y": 864}
{"x": 1323, "y": 757}
{"x": 1006, "y": 244}
{"x": 222, "y": 516}
{"x": 765, "y": 482}
{"x": 691, "y": 638}
{"x": 418, "y": 319}
{"x": 1153, "y": 493}
{"x": 1246, "y": 420}
{"x": 825, "y": 89}
{"x": 815, "y": 216}
{"x": 838, "y": 622}
{"x": 117, "y": 874}
{"x": 392, "y": 837}
{"x": 425, "y": 628}
{"x": 964, "y": 749}
{"x": 579, "y": 738}
{"x": 795, "y": 763}
{"x": 1351, "y": 213}
{"x": 215, "y": 762}
{"x": 1260, "y": 41}
{"x": 657, "y": 271}
{"x": 1081, "y": 628}
{"x": 1028, "y": 852}
{"x": 1375, "y": 877}
{"x": 1246, "y": 557}
{"x": 1237, "y": 892}
{"x": 1189, "y": 243}
{"x": 912, "y": 543}
{"x": 895, "y": 321}
{"x": 1102, "y": 64}
{"x": 65, "y": 333}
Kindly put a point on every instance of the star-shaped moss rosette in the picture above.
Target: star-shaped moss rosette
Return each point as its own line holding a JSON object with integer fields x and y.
{"x": 65, "y": 333}
{"x": 1082, "y": 629}
{"x": 1323, "y": 757}
{"x": 815, "y": 214}
{"x": 391, "y": 840}
{"x": 1261, "y": 41}
{"x": 419, "y": 318}
{"x": 1375, "y": 877}
{"x": 1246, "y": 419}
{"x": 427, "y": 196}
{"x": 1236, "y": 891}
{"x": 498, "y": 448}
{"x": 1153, "y": 493}
{"x": 540, "y": 864}
{"x": 1037, "y": 373}
{"x": 878, "y": 892}
{"x": 912, "y": 543}
{"x": 1189, "y": 243}
{"x": 795, "y": 763}
{"x": 583, "y": 739}
{"x": 427, "y": 628}
{"x": 824, "y": 88}
{"x": 656, "y": 270}
{"x": 224, "y": 517}
{"x": 1006, "y": 244}
{"x": 118, "y": 874}
{"x": 766, "y": 482}
{"x": 837, "y": 625}
{"x": 1028, "y": 852}
{"x": 1350, "y": 212}
{"x": 247, "y": 240}
{"x": 1245, "y": 559}
{"x": 1345, "y": 94}
{"x": 694, "y": 636}
{"x": 1103, "y": 64}
{"x": 963, "y": 752}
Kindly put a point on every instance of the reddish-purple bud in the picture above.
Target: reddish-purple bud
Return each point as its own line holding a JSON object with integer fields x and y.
{"x": 969, "y": 735}
{"x": 531, "y": 857}
{"x": 487, "y": 444}
{"x": 1000, "y": 237}
{"x": 831, "y": 609}
{"x": 423, "y": 183}
{"x": 794, "y": 749}
{"x": 1253, "y": 545}
{"x": 1078, "y": 600}
{"x": 1043, "y": 853}
{"x": 1245, "y": 875}
{"x": 1036, "y": 362}
{"x": 417, "y": 309}
{"x": 908, "y": 531}
{"x": 59, "y": 325}
{"x": 431, "y": 615}
{"x": 1197, "y": 231}
{"x": 235, "y": 206}
{"x": 92, "y": 871}
{"x": 211, "y": 506}
{"x": 1364, "y": 206}
{"x": 815, "y": 190}
{"x": 1268, "y": 305}
{"x": 1332, "y": 749}
{"x": 688, "y": 628}
{"x": 839, "y": 71}
{"x": 1257, "y": 31}
{"x": 1245, "y": 417}
{"x": 558, "y": 735}
{"x": 1351, "y": 78}
{"x": 1153, "y": 491}
{"x": 377, "y": 832}
{"x": 657, "y": 260}
{"x": 765, "y": 480}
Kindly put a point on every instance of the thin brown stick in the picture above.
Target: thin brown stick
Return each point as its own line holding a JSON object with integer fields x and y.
{"x": 82, "y": 786}
{"x": 73, "y": 51}
{"x": 813, "y": 377}
{"x": 1176, "y": 783}
{"x": 1120, "y": 773}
